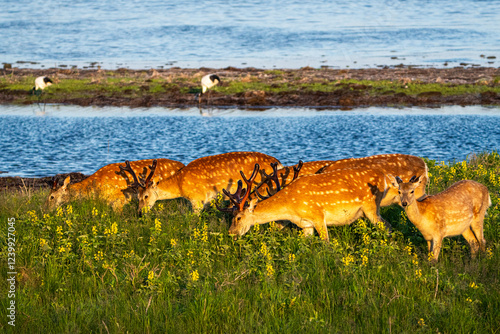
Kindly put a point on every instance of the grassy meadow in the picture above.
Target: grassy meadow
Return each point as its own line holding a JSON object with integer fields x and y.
{"x": 87, "y": 269}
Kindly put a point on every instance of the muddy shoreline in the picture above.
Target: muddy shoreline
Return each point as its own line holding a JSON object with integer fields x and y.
{"x": 176, "y": 83}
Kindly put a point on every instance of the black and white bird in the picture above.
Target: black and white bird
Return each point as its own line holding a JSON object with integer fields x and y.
{"x": 40, "y": 84}
{"x": 207, "y": 82}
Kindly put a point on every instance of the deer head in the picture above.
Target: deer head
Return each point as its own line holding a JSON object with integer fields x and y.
{"x": 407, "y": 190}
{"x": 59, "y": 195}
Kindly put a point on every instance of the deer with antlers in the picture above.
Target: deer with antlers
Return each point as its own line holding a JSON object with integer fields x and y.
{"x": 459, "y": 210}
{"x": 314, "y": 202}
{"x": 110, "y": 182}
{"x": 202, "y": 179}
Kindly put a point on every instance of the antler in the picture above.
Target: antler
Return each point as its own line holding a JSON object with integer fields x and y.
{"x": 151, "y": 173}
{"x": 54, "y": 183}
{"x": 238, "y": 201}
{"x": 129, "y": 169}
{"x": 296, "y": 170}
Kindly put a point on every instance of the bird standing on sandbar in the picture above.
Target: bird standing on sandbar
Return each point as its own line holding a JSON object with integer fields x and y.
{"x": 207, "y": 82}
{"x": 40, "y": 84}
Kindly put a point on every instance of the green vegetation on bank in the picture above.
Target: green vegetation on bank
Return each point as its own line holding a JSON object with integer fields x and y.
{"x": 85, "y": 269}
{"x": 114, "y": 84}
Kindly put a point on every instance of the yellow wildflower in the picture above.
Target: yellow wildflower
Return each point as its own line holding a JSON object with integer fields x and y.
{"x": 94, "y": 230}
{"x": 69, "y": 209}
{"x": 69, "y": 223}
{"x": 95, "y": 212}
{"x": 430, "y": 256}
{"x": 59, "y": 232}
{"x": 489, "y": 253}
{"x": 160, "y": 207}
{"x": 62, "y": 249}
{"x": 151, "y": 275}
{"x": 364, "y": 260}
{"x": 99, "y": 256}
{"x": 366, "y": 238}
{"x": 195, "y": 276}
{"x": 173, "y": 242}
{"x": 418, "y": 273}
{"x": 291, "y": 257}
{"x": 59, "y": 212}
{"x": 256, "y": 227}
{"x": 421, "y": 322}
{"x": 269, "y": 269}
{"x": 473, "y": 285}
{"x": 32, "y": 216}
{"x": 43, "y": 242}
{"x": 157, "y": 225}
{"x": 347, "y": 260}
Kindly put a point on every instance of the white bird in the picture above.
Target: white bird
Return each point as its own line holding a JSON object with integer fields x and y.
{"x": 207, "y": 82}
{"x": 42, "y": 83}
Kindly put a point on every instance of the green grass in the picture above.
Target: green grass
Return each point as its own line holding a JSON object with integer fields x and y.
{"x": 85, "y": 269}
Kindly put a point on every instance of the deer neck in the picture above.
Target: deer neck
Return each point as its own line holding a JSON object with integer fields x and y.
{"x": 169, "y": 188}
{"x": 414, "y": 212}
{"x": 270, "y": 210}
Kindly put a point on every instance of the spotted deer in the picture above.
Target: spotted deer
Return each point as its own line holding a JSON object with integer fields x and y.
{"x": 110, "y": 182}
{"x": 460, "y": 209}
{"x": 202, "y": 179}
{"x": 314, "y": 202}
{"x": 403, "y": 165}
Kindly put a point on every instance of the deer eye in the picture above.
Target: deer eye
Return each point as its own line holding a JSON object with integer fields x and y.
{"x": 412, "y": 191}
{"x": 238, "y": 219}
{"x": 146, "y": 197}
{"x": 399, "y": 192}
{"x": 51, "y": 197}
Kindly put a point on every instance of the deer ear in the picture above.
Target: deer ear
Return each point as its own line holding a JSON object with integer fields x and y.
{"x": 414, "y": 179}
{"x": 398, "y": 180}
{"x": 252, "y": 204}
{"x": 66, "y": 181}
{"x": 392, "y": 180}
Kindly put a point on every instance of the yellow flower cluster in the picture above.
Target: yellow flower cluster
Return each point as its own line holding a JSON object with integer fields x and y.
{"x": 94, "y": 230}
{"x": 195, "y": 276}
{"x": 269, "y": 269}
{"x": 151, "y": 276}
{"x": 113, "y": 230}
{"x": 95, "y": 212}
{"x": 60, "y": 212}
{"x": 59, "y": 232}
{"x": 157, "y": 225}
{"x": 99, "y": 256}
{"x": 69, "y": 209}
{"x": 418, "y": 273}
{"x": 421, "y": 322}
{"x": 69, "y": 223}
{"x": 173, "y": 242}
{"x": 32, "y": 217}
{"x": 364, "y": 260}
{"x": 348, "y": 260}
{"x": 473, "y": 285}
{"x": 265, "y": 252}
{"x": 291, "y": 257}
{"x": 43, "y": 242}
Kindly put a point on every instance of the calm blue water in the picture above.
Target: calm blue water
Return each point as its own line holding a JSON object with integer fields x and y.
{"x": 83, "y": 139}
{"x": 241, "y": 33}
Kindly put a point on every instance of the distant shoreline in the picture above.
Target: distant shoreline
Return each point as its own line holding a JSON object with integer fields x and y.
{"x": 251, "y": 87}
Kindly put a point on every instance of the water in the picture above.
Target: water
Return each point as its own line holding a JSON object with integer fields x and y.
{"x": 83, "y": 139}
{"x": 241, "y": 33}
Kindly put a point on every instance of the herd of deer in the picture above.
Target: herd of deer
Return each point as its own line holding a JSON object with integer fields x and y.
{"x": 313, "y": 195}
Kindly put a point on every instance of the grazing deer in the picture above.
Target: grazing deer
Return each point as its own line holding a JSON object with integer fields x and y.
{"x": 110, "y": 182}
{"x": 395, "y": 164}
{"x": 460, "y": 209}
{"x": 202, "y": 179}
{"x": 313, "y": 202}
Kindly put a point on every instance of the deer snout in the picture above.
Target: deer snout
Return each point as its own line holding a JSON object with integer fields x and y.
{"x": 404, "y": 204}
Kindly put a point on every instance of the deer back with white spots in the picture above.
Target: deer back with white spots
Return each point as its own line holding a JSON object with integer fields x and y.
{"x": 403, "y": 165}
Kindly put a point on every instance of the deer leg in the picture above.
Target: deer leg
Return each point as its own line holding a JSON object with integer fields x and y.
{"x": 477, "y": 227}
{"x": 436, "y": 248}
{"x": 322, "y": 230}
{"x": 373, "y": 215}
{"x": 473, "y": 242}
